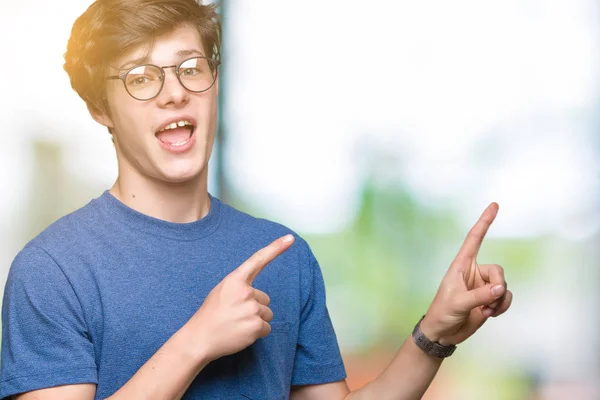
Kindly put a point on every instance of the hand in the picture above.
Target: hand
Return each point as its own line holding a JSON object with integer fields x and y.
{"x": 469, "y": 292}
{"x": 234, "y": 314}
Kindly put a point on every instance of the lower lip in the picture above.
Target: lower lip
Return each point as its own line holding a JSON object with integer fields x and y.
{"x": 180, "y": 148}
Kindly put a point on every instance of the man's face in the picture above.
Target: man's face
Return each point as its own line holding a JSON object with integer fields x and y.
{"x": 144, "y": 149}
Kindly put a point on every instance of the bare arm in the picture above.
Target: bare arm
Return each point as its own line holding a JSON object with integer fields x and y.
{"x": 69, "y": 392}
{"x": 407, "y": 376}
{"x": 233, "y": 316}
{"x": 170, "y": 371}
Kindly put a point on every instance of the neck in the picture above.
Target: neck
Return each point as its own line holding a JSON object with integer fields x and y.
{"x": 172, "y": 202}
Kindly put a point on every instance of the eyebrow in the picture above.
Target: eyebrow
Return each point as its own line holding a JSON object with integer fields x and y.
{"x": 189, "y": 52}
{"x": 132, "y": 63}
{"x": 146, "y": 59}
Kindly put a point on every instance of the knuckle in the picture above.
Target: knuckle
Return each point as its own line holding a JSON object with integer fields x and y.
{"x": 476, "y": 232}
{"x": 254, "y": 309}
{"x": 246, "y": 292}
{"x": 258, "y": 258}
{"x": 256, "y": 326}
{"x": 474, "y": 297}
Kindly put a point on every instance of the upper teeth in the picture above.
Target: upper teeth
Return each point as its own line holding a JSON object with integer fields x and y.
{"x": 174, "y": 125}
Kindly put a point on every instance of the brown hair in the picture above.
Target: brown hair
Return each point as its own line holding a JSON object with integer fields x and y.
{"x": 108, "y": 28}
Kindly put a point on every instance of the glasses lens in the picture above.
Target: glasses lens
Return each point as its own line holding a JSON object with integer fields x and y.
{"x": 144, "y": 82}
{"x": 197, "y": 74}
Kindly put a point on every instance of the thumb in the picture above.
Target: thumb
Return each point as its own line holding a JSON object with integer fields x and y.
{"x": 481, "y": 296}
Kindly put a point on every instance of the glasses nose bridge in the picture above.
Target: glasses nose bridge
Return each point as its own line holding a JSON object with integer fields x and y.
{"x": 174, "y": 67}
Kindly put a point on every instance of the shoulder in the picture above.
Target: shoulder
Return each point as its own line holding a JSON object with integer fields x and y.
{"x": 41, "y": 254}
{"x": 34, "y": 280}
{"x": 69, "y": 230}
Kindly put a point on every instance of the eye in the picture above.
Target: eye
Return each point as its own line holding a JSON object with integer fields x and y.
{"x": 139, "y": 80}
{"x": 190, "y": 71}
{"x": 143, "y": 75}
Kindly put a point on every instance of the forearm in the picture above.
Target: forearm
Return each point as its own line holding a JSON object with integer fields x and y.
{"x": 407, "y": 377}
{"x": 169, "y": 372}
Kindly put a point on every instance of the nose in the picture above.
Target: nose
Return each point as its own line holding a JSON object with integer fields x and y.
{"x": 173, "y": 94}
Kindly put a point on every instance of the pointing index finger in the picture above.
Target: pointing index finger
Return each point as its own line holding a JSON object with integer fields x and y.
{"x": 474, "y": 238}
{"x": 250, "y": 269}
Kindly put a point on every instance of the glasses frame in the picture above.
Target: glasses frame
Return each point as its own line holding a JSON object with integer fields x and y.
{"x": 177, "y": 67}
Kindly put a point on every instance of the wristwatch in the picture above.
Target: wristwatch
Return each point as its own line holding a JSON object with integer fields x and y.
{"x": 433, "y": 349}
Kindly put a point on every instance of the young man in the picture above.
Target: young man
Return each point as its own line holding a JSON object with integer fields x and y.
{"x": 156, "y": 289}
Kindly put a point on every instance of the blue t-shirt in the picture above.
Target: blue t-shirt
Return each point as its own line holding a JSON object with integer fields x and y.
{"x": 95, "y": 295}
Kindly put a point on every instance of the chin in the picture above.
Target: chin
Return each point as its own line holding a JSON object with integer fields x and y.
{"x": 181, "y": 177}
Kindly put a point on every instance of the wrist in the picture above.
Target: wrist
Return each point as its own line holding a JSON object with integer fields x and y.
{"x": 429, "y": 330}
{"x": 195, "y": 345}
{"x": 430, "y": 346}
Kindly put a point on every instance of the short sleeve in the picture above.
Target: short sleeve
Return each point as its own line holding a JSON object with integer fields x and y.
{"x": 318, "y": 358}
{"x": 45, "y": 342}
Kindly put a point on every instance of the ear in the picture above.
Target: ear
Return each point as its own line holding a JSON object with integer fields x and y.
{"x": 101, "y": 117}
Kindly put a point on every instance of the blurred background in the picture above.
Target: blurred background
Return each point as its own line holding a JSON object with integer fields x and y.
{"x": 379, "y": 131}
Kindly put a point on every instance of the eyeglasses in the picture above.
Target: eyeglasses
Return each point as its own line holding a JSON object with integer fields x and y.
{"x": 144, "y": 82}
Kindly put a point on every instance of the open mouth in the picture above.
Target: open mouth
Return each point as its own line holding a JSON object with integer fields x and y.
{"x": 176, "y": 133}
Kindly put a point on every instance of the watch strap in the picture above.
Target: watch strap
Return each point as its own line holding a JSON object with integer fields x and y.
{"x": 433, "y": 349}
